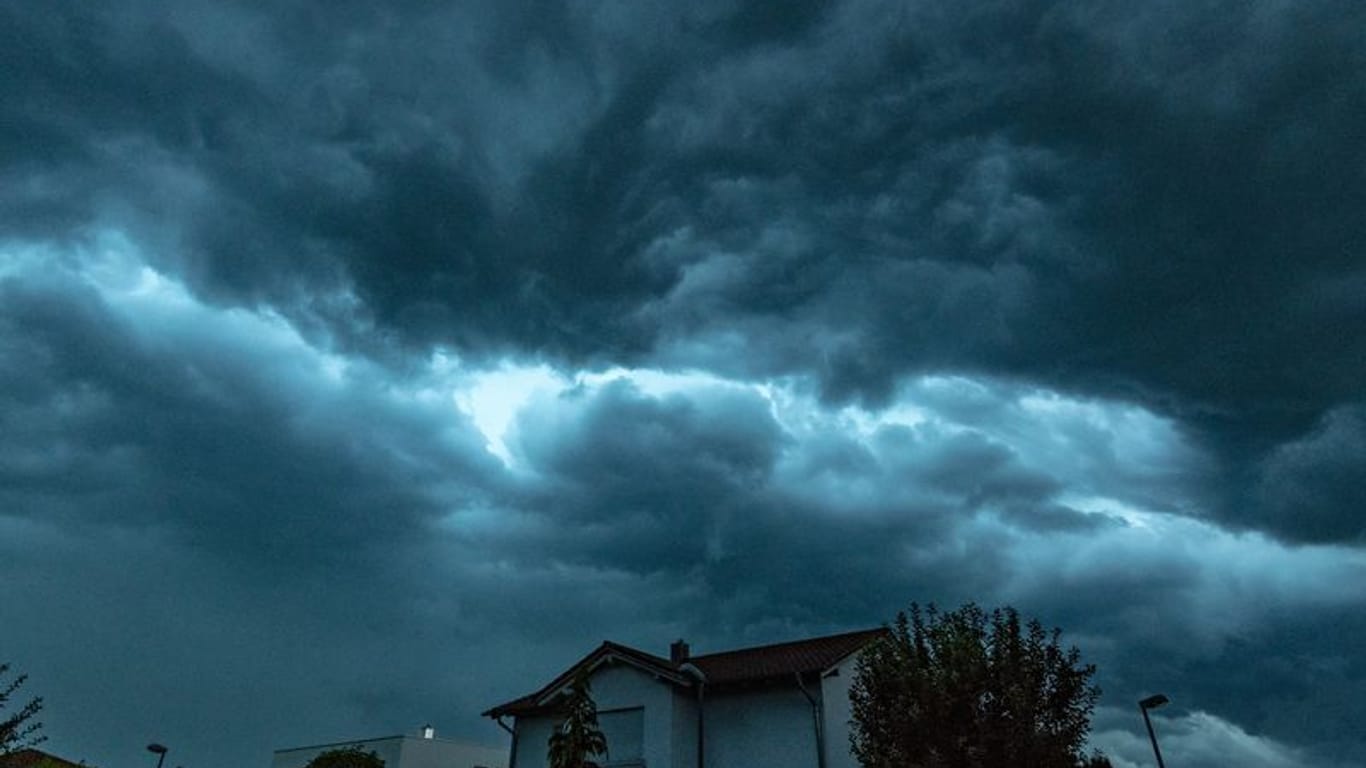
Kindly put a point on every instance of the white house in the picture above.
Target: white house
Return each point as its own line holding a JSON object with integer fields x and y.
{"x": 420, "y": 750}
{"x": 784, "y": 705}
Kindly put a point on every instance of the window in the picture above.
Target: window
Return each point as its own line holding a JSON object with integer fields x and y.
{"x": 625, "y": 730}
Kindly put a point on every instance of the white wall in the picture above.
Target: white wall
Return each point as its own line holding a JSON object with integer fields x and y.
{"x": 835, "y": 715}
{"x": 685, "y": 729}
{"x": 532, "y": 736}
{"x": 760, "y": 728}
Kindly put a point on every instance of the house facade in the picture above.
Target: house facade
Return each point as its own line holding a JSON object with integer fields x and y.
{"x": 783, "y": 705}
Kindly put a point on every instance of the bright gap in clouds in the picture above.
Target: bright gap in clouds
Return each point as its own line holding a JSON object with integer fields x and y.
{"x": 493, "y": 398}
{"x": 1043, "y": 430}
{"x": 1048, "y": 431}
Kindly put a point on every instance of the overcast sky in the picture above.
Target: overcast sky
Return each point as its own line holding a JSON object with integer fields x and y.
{"x": 364, "y": 368}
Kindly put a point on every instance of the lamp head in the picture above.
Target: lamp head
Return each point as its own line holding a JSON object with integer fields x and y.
{"x": 157, "y": 748}
{"x": 1154, "y": 701}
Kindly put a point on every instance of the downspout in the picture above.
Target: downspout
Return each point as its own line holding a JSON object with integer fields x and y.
{"x": 512, "y": 754}
{"x": 815, "y": 721}
{"x": 692, "y": 669}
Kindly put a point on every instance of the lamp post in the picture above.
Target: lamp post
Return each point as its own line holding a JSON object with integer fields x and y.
{"x": 159, "y": 751}
{"x": 1153, "y": 702}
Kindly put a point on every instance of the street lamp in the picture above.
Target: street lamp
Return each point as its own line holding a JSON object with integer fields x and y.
{"x": 1153, "y": 702}
{"x": 159, "y": 751}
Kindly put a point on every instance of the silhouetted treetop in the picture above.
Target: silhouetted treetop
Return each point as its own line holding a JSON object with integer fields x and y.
{"x": 971, "y": 689}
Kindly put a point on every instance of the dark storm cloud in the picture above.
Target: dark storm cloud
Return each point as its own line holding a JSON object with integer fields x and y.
{"x": 644, "y": 483}
{"x": 211, "y": 427}
{"x": 1060, "y": 217}
{"x": 1110, "y": 257}
{"x": 1285, "y": 681}
{"x": 1076, "y": 213}
{"x": 709, "y": 488}
{"x": 1306, "y": 485}
{"x": 1278, "y": 669}
{"x": 1143, "y": 202}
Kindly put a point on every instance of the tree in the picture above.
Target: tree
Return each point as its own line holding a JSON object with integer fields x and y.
{"x": 968, "y": 689}
{"x": 347, "y": 757}
{"x": 578, "y": 737}
{"x": 19, "y": 730}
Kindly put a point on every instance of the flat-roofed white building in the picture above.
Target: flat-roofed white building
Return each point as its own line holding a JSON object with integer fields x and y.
{"x": 420, "y": 750}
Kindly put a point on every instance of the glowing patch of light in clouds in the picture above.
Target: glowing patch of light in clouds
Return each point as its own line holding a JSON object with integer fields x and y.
{"x": 493, "y": 398}
{"x": 151, "y": 303}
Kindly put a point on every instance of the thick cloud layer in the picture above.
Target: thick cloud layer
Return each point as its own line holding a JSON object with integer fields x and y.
{"x": 1140, "y": 202}
{"x": 359, "y": 366}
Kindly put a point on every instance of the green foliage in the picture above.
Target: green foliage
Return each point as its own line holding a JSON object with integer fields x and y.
{"x": 349, "y": 757}
{"x": 968, "y": 689}
{"x": 19, "y": 730}
{"x": 578, "y": 738}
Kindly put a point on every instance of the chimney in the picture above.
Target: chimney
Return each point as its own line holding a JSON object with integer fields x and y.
{"x": 678, "y": 652}
{"x": 428, "y": 732}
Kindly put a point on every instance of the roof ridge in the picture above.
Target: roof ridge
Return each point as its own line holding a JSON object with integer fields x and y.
{"x": 632, "y": 649}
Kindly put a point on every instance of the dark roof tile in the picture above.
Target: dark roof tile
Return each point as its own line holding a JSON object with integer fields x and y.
{"x": 782, "y": 659}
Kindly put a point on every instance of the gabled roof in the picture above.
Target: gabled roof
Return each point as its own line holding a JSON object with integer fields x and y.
{"x": 608, "y": 652}
{"x": 746, "y": 665}
{"x": 766, "y": 662}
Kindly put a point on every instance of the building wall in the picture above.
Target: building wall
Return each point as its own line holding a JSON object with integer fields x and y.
{"x": 684, "y": 729}
{"x": 532, "y": 735}
{"x": 759, "y": 728}
{"x": 835, "y": 713}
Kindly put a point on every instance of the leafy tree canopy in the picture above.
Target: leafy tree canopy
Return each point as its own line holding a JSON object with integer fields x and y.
{"x": 971, "y": 689}
{"x": 348, "y": 757}
{"x": 578, "y": 738}
{"x": 18, "y": 730}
